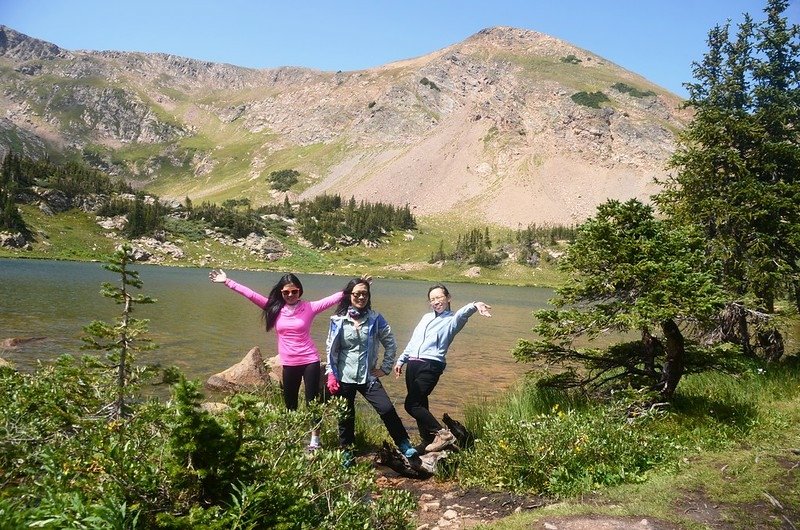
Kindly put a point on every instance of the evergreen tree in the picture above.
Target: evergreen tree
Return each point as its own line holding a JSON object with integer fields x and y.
{"x": 629, "y": 272}
{"x": 10, "y": 218}
{"x": 126, "y": 336}
{"x": 287, "y": 206}
{"x": 136, "y": 220}
{"x": 737, "y": 167}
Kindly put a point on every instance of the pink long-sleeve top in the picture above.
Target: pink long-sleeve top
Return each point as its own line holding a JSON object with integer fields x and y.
{"x": 293, "y": 325}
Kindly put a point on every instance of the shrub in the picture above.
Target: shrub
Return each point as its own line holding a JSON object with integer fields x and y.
{"x": 283, "y": 179}
{"x": 633, "y": 91}
{"x": 430, "y": 84}
{"x": 66, "y": 463}
{"x": 235, "y": 203}
{"x": 571, "y": 59}
{"x": 589, "y": 99}
{"x": 191, "y": 229}
{"x": 233, "y": 222}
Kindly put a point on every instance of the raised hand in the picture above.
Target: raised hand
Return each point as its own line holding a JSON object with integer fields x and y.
{"x": 483, "y": 309}
{"x": 217, "y": 276}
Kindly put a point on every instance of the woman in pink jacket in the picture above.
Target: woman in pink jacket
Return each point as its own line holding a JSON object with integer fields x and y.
{"x": 291, "y": 318}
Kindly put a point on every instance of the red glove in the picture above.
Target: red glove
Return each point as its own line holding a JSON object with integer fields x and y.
{"x": 333, "y": 384}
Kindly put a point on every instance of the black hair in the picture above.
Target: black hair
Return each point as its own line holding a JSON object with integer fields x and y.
{"x": 344, "y": 303}
{"x": 276, "y": 302}
{"x": 444, "y": 290}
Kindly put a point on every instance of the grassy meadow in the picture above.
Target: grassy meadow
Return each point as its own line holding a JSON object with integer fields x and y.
{"x": 74, "y": 235}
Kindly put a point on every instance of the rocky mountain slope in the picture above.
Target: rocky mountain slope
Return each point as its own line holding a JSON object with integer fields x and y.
{"x": 488, "y": 128}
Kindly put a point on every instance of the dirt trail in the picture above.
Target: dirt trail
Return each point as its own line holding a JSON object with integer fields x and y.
{"x": 444, "y": 505}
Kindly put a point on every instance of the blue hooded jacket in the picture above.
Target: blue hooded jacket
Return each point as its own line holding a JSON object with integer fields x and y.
{"x": 376, "y": 331}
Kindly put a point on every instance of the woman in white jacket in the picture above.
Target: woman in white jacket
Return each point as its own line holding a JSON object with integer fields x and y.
{"x": 425, "y": 356}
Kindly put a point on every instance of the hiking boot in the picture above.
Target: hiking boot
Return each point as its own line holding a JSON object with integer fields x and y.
{"x": 443, "y": 438}
{"x": 407, "y": 449}
{"x": 348, "y": 458}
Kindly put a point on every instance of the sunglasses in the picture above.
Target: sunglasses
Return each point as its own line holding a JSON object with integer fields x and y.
{"x": 290, "y": 292}
{"x": 359, "y": 295}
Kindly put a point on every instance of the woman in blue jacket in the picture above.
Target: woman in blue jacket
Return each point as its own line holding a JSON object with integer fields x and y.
{"x": 425, "y": 357}
{"x": 355, "y": 335}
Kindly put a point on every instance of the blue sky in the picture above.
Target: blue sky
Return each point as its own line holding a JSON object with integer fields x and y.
{"x": 658, "y": 39}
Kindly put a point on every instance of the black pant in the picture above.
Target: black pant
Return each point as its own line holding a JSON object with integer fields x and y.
{"x": 292, "y": 375}
{"x": 376, "y": 395}
{"x": 421, "y": 379}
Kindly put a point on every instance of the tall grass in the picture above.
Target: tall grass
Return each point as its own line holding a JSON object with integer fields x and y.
{"x": 561, "y": 443}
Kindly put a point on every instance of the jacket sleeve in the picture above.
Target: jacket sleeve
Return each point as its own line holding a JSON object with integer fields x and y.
{"x": 412, "y": 344}
{"x": 403, "y": 359}
{"x": 259, "y": 299}
{"x": 386, "y": 337}
{"x": 461, "y": 317}
{"x": 332, "y": 352}
{"x": 318, "y": 306}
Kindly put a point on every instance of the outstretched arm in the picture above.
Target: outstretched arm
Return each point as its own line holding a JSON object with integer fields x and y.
{"x": 219, "y": 276}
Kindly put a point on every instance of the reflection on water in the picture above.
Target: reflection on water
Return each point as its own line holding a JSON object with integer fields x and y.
{"x": 204, "y": 328}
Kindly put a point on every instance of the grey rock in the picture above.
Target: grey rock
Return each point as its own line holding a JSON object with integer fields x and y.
{"x": 12, "y": 240}
{"x": 248, "y": 373}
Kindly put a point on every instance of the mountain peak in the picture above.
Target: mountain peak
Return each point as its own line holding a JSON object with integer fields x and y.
{"x": 504, "y": 121}
{"x": 21, "y": 47}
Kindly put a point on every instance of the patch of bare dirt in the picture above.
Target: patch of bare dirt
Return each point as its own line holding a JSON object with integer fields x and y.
{"x": 446, "y": 505}
{"x": 443, "y": 505}
{"x": 771, "y": 513}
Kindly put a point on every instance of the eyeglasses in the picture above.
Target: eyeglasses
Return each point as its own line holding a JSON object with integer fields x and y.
{"x": 361, "y": 294}
{"x": 290, "y": 292}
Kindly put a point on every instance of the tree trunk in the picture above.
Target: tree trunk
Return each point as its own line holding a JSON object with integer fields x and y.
{"x": 650, "y": 345}
{"x": 674, "y": 364}
{"x": 744, "y": 334}
{"x": 771, "y": 343}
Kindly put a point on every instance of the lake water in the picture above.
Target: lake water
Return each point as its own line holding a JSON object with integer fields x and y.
{"x": 204, "y": 328}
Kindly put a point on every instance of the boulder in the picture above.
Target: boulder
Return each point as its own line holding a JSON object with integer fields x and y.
{"x": 15, "y": 342}
{"x": 53, "y": 201}
{"x": 473, "y": 272}
{"x": 140, "y": 254}
{"x": 246, "y": 374}
{"x": 118, "y": 222}
{"x": 12, "y": 240}
{"x": 275, "y": 370}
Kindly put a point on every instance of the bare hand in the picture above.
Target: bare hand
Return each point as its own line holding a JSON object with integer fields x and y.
{"x": 367, "y": 278}
{"x": 483, "y": 309}
{"x": 398, "y": 370}
{"x": 217, "y": 276}
{"x": 377, "y": 372}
